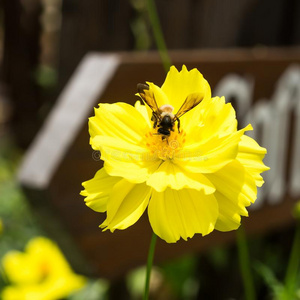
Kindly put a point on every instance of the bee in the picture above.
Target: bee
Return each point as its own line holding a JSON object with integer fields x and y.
{"x": 163, "y": 118}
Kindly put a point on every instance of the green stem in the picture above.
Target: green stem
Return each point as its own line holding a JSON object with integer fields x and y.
{"x": 149, "y": 265}
{"x": 158, "y": 35}
{"x": 294, "y": 263}
{"x": 163, "y": 51}
{"x": 244, "y": 262}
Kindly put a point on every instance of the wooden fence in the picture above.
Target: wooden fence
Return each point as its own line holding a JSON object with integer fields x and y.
{"x": 114, "y": 25}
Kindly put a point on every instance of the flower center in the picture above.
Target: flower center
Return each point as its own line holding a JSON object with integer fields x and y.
{"x": 165, "y": 147}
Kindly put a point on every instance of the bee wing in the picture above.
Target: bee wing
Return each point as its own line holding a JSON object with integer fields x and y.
{"x": 190, "y": 102}
{"x": 148, "y": 96}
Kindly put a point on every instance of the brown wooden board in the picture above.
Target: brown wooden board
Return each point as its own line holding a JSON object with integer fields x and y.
{"x": 54, "y": 186}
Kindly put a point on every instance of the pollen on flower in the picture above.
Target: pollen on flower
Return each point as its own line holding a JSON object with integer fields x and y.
{"x": 165, "y": 148}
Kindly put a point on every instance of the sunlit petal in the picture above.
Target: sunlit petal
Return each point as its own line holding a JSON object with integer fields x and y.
{"x": 127, "y": 203}
{"x": 235, "y": 190}
{"x": 183, "y": 213}
{"x": 170, "y": 175}
{"x": 215, "y": 117}
{"x": 251, "y": 155}
{"x": 120, "y": 120}
{"x": 179, "y": 84}
{"x": 142, "y": 109}
{"x": 210, "y": 155}
{"x": 96, "y": 191}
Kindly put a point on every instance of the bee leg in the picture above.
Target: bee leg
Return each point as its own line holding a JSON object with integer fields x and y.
{"x": 178, "y": 125}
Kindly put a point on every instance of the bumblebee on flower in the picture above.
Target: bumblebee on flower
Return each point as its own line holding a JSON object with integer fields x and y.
{"x": 180, "y": 155}
{"x": 163, "y": 117}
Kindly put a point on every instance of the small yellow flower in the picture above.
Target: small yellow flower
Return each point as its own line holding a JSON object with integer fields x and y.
{"x": 200, "y": 178}
{"x": 39, "y": 273}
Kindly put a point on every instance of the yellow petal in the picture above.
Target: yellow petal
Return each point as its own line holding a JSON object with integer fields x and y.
{"x": 21, "y": 268}
{"x": 133, "y": 170}
{"x": 41, "y": 248}
{"x": 235, "y": 190}
{"x": 210, "y": 155}
{"x": 160, "y": 97}
{"x": 127, "y": 160}
{"x": 251, "y": 156}
{"x": 121, "y": 121}
{"x": 170, "y": 175}
{"x": 112, "y": 146}
{"x": 142, "y": 109}
{"x": 96, "y": 191}
{"x": 127, "y": 203}
{"x": 54, "y": 288}
{"x": 121, "y": 140}
{"x": 215, "y": 117}
{"x": 178, "y": 85}
{"x": 174, "y": 214}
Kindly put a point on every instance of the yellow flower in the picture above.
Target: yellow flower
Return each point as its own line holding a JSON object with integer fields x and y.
{"x": 39, "y": 273}
{"x": 198, "y": 179}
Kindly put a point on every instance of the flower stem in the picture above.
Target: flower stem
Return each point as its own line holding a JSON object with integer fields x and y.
{"x": 244, "y": 262}
{"x": 158, "y": 35}
{"x": 149, "y": 265}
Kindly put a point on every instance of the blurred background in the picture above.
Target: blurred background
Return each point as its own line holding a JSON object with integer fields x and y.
{"x": 41, "y": 44}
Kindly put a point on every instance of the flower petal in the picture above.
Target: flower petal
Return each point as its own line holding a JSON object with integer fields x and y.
{"x": 120, "y": 120}
{"x": 112, "y": 146}
{"x": 251, "y": 156}
{"x": 142, "y": 109}
{"x": 170, "y": 175}
{"x": 127, "y": 160}
{"x": 96, "y": 191}
{"x": 211, "y": 155}
{"x": 214, "y": 117}
{"x": 235, "y": 190}
{"x": 174, "y": 214}
{"x": 160, "y": 97}
{"x": 178, "y": 85}
{"x": 131, "y": 171}
{"x": 127, "y": 203}
{"x": 20, "y": 268}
